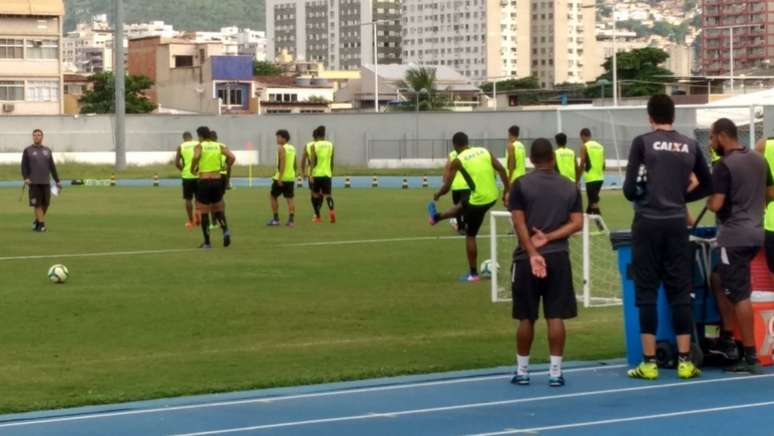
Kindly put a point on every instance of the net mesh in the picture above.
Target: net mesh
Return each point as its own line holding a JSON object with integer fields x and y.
{"x": 596, "y": 278}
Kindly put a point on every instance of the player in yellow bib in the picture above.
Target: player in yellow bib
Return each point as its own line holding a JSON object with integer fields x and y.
{"x": 460, "y": 191}
{"x": 766, "y": 147}
{"x": 306, "y": 169}
{"x": 516, "y": 155}
{"x": 479, "y": 169}
{"x": 207, "y": 163}
{"x": 592, "y": 156}
{"x": 566, "y": 163}
{"x": 225, "y": 176}
{"x": 322, "y": 175}
{"x": 283, "y": 182}
{"x": 183, "y": 160}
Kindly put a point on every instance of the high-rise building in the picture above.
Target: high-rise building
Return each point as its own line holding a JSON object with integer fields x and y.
{"x": 753, "y": 21}
{"x": 488, "y": 39}
{"x": 336, "y": 33}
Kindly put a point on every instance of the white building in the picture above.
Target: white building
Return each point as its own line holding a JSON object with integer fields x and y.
{"x": 337, "y": 34}
{"x": 89, "y": 48}
{"x": 153, "y": 28}
{"x": 251, "y": 43}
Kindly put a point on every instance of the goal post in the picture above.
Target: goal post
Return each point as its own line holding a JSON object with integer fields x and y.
{"x": 594, "y": 264}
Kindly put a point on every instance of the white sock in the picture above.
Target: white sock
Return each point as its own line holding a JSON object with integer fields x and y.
{"x": 522, "y": 365}
{"x": 556, "y": 366}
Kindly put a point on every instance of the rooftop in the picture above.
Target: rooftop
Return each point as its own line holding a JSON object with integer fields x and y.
{"x": 32, "y": 7}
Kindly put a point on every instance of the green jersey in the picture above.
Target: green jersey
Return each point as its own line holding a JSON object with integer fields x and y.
{"x": 290, "y": 164}
{"x": 210, "y": 160}
{"x": 595, "y": 162}
{"x": 459, "y": 183}
{"x": 477, "y": 162}
{"x": 187, "y": 153}
{"x": 223, "y": 163}
{"x": 324, "y": 166}
{"x": 768, "y": 153}
{"x": 520, "y": 159}
{"x": 566, "y": 163}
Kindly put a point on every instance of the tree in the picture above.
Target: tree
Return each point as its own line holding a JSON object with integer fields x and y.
{"x": 421, "y": 85}
{"x": 99, "y": 99}
{"x": 639, "y": 72}
{"x": 261, "y": 68}
{"x": 531, "y": 82}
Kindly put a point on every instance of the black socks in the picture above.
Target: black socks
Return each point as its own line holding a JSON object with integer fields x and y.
{"x": 206, "y": 228}
{"x": 330, "y": 203}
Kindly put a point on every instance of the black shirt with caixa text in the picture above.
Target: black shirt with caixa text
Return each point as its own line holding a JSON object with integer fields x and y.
{"x": 38, "y": 166}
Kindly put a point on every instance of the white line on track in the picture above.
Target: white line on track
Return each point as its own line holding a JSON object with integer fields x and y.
{"x": 469, "y": 406}
{"x": 284, "y": 398}
{"x": 107, "y": 253}
{"x": 629, "y": 419}
{"x": 374, "y": 241}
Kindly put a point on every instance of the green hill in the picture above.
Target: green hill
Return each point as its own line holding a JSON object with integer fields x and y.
{"x": 183, "y": 14}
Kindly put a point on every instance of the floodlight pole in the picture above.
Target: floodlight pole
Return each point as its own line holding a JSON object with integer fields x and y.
{"x": 119, "y": 75}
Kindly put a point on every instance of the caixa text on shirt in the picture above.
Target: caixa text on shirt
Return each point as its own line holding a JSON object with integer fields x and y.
{"x": 676, "y": 147}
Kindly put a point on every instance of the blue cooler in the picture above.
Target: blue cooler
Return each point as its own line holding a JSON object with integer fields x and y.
{"x": 704, "y": 306}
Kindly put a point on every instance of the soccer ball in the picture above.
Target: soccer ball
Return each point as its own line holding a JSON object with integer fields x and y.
{"x": 487, "y": 267}
{"x": 58, "y": 274}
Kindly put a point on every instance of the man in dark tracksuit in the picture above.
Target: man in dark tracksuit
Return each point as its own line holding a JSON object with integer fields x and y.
{"x": 657, "y": 180}
{"x": 37, "y": 168}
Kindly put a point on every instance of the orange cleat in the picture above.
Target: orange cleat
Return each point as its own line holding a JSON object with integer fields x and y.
{"x": 316, "y": 220}
{"x": 189, "y": 225}
{"x": 332, "y": 216}
{"x": 197, "y": 219}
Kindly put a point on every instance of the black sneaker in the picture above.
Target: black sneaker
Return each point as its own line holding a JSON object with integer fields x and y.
{"x": 205, "y": 246}
{"x": 727, "y": 348}
{"x": 226, "y": 238}
{"x": 745, "y": 367}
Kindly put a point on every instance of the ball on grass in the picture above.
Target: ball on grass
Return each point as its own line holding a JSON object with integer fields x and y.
{"x": 487, "y": 267}
{"x": 58, "y": 274}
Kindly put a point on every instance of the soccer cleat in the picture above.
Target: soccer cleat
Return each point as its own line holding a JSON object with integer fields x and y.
{"x": 290, "y": 224}
{"x": 556, "y": 382}
{"x": 745, "y": 367}
{"x": 432, "y": 213}
{"x": 332, "y": 216}
{"x": 316, "y": 220}
{"x": 213, "y": 226}
{"x": 205, "y": 246}
{"x": 42, "y": 228}
{"x": 645, "y": 371}
{"x": 272, "y": 223}
{"x": 520, "y": 379}
{"x": 189, "y": 225}
{"x": 197, "y": 219}
{"x": 226, "y": 238}
{"x": 686, "y": 370}
{"x": 470, "y": 278}
{"x": 727, "y": 348}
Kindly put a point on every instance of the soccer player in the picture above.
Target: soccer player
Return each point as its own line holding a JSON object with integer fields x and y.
{"x": 516, "y": 155}
{"x": 225, "y": 176}
{"x": 546, "y": 209}
{"x": 37, "y": 170}
{"x": 283, "y": 182}
{"x": 566, "y": 163}
{"x": 183, "y": 160}
{"x": 739, "y": 182}
{"x": 322, "y": 175}
{"x": 592, "y": 156}
{"x": 306, "y": 169}
{"x": 207, "y": 163}
{"x": 460, "y": 191}
{"x": 766, "y": 148}
{"x": 478, "y": 167}
{"x": 657, "y": 179}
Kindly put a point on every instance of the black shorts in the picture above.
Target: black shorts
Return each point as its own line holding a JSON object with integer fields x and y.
{"x": 556, "y": 290}
{"x": 661, "y": 254}
{"x": 592, "y": 191}
{"x": 734, "y": 271}
{"x": 769, "y": 246}
{"x": 189, "y": 188}
{"x": 40, "y": 195}
{"x": 209, "y": 191}
{"x": 461, "y": 197}
{"x": 474, "y": 217}
{"x": 322, "y": 185}
{"x": 287, "y": 189}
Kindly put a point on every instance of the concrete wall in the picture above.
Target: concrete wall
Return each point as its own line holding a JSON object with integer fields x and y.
{"x": 359, "y": 138}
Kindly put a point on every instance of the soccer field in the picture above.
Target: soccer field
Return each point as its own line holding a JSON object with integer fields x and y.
{"x": 373, "y": 295}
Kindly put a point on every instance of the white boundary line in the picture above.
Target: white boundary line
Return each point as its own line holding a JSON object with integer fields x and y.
{"x": 108, "y": 253}
{"x": 468, "y": 406}
{"x": 629, "y": 419}
{"x": 353, "y": 391}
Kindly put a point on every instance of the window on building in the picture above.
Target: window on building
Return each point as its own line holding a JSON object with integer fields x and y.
{"x": 42, "y": 49}
{"x": 11, "y": 48}
{"x": 231, "y": 97}
{"x": 183, "y": 61}
{"x": 42, "y": 90}
{"x": 11, "y": 90}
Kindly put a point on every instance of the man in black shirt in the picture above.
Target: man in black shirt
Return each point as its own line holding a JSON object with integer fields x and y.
{"x": 546, "y": 210}
{"x": 657, "y": 180}
{"x": 37, "y": 168}
{"x": 739, "y": 181}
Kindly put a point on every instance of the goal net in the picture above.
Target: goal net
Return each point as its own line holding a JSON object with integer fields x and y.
{"x": 594, "y": 263}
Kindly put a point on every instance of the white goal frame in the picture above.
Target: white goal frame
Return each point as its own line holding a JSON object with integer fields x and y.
{"x": 586, "y": 296}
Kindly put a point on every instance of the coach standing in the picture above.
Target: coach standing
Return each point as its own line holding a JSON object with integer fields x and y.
{"x": 37, "y": 168}
{"x": 657, "y": 181}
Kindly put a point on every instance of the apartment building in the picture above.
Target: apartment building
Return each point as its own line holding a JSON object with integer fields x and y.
{"x": 336, "y": 33}
{"x": 30, "y": 57}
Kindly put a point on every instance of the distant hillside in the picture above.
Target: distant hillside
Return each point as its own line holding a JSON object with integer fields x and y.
{"x": 183, "y": 14}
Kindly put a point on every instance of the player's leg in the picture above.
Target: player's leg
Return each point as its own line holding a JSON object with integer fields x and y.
{"x": 525, "y": 290}
{"x": 44, "y": 200}
{"x": 219, "y": 208}
{"x": 203, "y": 202}
{"x": 726, "y": 346}
{"x": 559, "y": 304}
{"x": 592, "y": 191}
{"x": 289, "y": 197}
{"x": 189, "y": 187}
{"x": 274, "y": 194}
{"x": 734, "y": 271}
{"x": 769, "y": 249}
{"x": 327, "y": 189}
{"x": 646, "y": 257}
{"x": 474, "y": 216}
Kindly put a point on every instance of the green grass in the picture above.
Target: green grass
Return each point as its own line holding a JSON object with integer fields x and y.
{"x": 73, "y": 170}
{"x": 261, "y": 313}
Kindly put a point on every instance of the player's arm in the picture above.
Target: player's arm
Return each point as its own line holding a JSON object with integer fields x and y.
{"x": 196, "y": 158}
{"x": 53, "y": 171}
{"x": 571, "y": 227}
{"x": 769, "y": 187}
{"x": 447, "y": 171}
{"x": 511, "y": 160}
{"x": 702, "y": 172}
{"x": 453, "y": 168}
{"x": 498, "y": 167}
{"x": 25, "y": 167}
{"x": 304, "y": 160}
{"x": 281, "y": 156}
{"x": 230, "y": 157}
{"x": 519, "y": 220}
{"x": 584, "y": 157}
{"x": 636, "y": 159}
{"x": 721, "y": 182}
{"x": 760, "y": 146}
{"x": 333, "y": 155}
{"x": 179, "y": 159}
